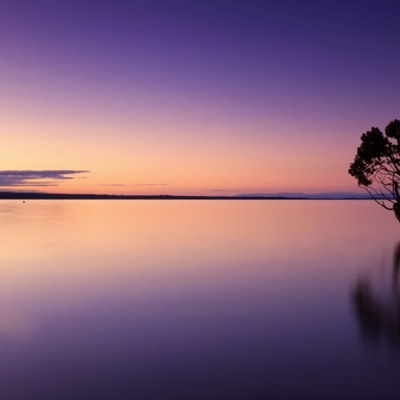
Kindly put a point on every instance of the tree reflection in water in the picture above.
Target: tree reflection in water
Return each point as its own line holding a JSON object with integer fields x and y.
{"x": 379, "y": 316}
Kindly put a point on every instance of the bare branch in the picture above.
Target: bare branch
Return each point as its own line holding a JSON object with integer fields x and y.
{"x": 381, "y": 203}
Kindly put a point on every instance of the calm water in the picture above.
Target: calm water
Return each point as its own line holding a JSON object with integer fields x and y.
{"x": 198, "y": 300}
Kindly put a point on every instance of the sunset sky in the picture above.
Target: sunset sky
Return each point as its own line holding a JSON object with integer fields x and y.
{"x": 192, "y": 97}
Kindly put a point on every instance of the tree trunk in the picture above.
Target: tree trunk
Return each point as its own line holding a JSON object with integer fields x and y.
{"x": 396, "y": 209}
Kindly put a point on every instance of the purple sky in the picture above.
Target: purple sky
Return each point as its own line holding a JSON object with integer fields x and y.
{"x": 196, "y": 95}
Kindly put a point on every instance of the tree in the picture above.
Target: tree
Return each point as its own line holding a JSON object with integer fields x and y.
{"x": 376, "y": 166}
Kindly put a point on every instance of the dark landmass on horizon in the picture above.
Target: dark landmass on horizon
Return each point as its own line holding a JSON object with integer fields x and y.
{"x": 256, "y": 196}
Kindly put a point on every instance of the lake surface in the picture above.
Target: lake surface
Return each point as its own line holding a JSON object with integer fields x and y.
{"x": 198, "y": 300}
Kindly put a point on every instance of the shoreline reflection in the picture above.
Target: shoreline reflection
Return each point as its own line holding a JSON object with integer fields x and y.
{"x": 378, "y": 314}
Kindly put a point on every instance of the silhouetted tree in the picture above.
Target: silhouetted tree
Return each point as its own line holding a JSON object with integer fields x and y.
{"x": 377, "y": 166}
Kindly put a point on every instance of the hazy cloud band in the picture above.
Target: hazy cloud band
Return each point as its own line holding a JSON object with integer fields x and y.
{"x": 134, "y": 184}
{"x": 16, "y": 178}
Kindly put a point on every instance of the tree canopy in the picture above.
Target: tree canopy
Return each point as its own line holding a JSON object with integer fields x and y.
{"x": 376, "y": 165}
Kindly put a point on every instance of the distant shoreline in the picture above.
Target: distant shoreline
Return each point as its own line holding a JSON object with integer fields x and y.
{"x": 63, "y": 196}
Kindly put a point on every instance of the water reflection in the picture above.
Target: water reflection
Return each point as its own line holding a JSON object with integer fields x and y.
{"x": 192, "y": 300}
{"x": 13, "y": 325}
{"x": 378, "y": 314}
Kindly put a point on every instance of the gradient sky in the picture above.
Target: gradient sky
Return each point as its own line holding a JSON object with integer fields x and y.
{"x": 193, "y": 97}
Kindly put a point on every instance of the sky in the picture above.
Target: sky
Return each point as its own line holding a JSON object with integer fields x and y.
{"x": 192, "y": 97}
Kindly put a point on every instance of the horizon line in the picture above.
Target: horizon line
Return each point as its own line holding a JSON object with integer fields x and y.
{"x": 15, "y": 195}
